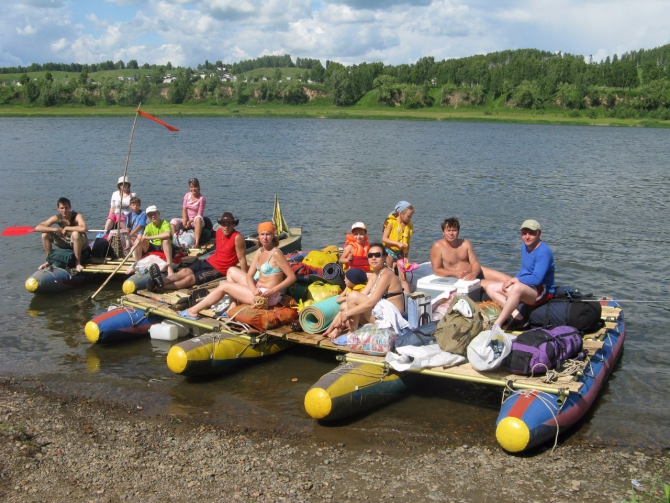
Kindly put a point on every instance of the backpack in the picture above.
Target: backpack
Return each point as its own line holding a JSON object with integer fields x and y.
{"x": 420, "y": 336}
{"x": 538, "y": 350}
{"x": 455, "y": 331}
{"x": 63, "y": 258}
{"x": 567, "y": 308}
{"x": 101, "y": 249}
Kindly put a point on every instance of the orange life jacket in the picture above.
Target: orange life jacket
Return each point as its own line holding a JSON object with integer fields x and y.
{"x": 359, "y": 252}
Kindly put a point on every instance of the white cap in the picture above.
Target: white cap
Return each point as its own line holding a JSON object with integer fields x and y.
{"x": 123, "y": 179}
{"x": 151, "y": 209}
{"x": 359, "y": 225}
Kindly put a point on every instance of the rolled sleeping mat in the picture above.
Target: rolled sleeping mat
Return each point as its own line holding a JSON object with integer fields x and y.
{"x": 318, "y": 317}
{"x": 333, "y": 274}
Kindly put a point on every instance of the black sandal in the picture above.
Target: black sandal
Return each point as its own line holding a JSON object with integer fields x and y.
{"x": 155, "y": 274}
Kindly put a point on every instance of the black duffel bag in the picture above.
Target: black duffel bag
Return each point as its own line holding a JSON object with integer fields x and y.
{"x": 568, "y": 307}
{"x": 420, "y": 336}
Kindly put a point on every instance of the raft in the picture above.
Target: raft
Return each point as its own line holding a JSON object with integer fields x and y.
{"x": 353, "y": 388}
{"x": 119, "y": 325}
{"x": 54, "y": 280}
{"x": 218, "y": 352}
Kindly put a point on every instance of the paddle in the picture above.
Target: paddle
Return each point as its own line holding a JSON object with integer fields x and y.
{"x": 130, "y": 254}
{"x": 22, "y": 230}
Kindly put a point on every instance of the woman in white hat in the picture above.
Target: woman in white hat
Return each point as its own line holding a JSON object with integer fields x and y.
{"x": 119, "y": 208}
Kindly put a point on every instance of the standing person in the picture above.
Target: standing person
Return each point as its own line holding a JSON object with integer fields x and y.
{"x": 398, "y": 231}
{"x": 157, "y": 236}
{"x": 533, "y": 284}
{"x": 230, "y": 250}
{"x": 70, "y": 233}
{"x": 269, "y": 273}
{"x": 119, "y": 208}
{"x": 356, "y": 246}
{"x": 454, "y": 256}
{"x": 365, "y": 306}
{"x": 192, "y": 212}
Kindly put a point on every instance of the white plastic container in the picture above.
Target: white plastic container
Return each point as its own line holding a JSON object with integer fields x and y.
{"x": 163, "y": 331}
{"x": 438, "y": 287}
{"x": 182, "y": 329}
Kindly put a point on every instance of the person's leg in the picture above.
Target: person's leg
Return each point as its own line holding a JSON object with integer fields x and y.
{"x": 236, "y": 275}
{"x": 176, "y": 225}
{"x": 184, "y": 278}
{"x": 515, "y": 294}
{"x": 493, "y": 276}
{"x": 46, "y": 244}
{"x": 78, "y": 243}
{"x": 167, "y": 249}
{"x": 241, "y": 293}
{"x": 354, "y": 299}
{"x": 197, "y": 231}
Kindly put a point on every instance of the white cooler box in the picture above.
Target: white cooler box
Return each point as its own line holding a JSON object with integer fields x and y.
{"x": 437, "y": 287}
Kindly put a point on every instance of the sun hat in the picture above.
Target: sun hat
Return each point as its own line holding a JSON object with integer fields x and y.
{"x": 228, "y": 217}
{"x": 267, "y": 227}
{"x": 151, "y": 209}
{"x": 533, "y": 225}
{"x": 356, "y": 276}
{"x": 123, "y": 179}
{"x": 359, "y": 225}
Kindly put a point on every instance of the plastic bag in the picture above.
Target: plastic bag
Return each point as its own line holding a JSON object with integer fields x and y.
{"x": 186, "y": 239}
{"x": 318, "y": 259}
{"x": 488, "y": 349}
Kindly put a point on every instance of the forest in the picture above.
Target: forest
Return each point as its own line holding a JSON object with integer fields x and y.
{"x": 635, "y": 84}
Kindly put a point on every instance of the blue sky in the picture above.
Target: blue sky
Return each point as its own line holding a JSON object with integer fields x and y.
{"x": 188, "y": 32}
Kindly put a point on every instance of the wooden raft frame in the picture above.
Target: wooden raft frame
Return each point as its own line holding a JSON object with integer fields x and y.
{"x": 161, "y": 304}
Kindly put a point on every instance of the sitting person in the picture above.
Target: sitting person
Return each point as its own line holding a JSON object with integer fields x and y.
{"x": 365, "y": 306}
{"x": 157, "y": 236}
{"x": 269, "y": 273}
{"x": 137, "y": 219}
{"x": 229, "y": 251}
{"x": 354, "y": 281}
{"x": 70, "y": 233}
{"x": 192, "y": 212}
{"x": 453, "y": 256}
{"x": 119, "y": 208}
{"x": 355, "y": 252}
{"x": 534, "y": 283}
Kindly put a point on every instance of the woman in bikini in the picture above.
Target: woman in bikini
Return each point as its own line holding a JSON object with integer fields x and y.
{"x": 269, "y": 273}
{"x": 382, "y": 284}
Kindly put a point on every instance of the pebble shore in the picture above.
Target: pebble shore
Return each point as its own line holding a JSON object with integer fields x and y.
{"x": 69, "y": 448}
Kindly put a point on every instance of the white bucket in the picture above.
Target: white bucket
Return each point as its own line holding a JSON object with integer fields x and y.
{"x": 182, "y": 329}
{"x": 163, "y": 331}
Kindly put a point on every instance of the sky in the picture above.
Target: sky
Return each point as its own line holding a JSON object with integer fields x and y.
{"x": 188, "y": 32}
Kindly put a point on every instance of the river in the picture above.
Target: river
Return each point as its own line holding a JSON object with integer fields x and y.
{"x": 601, "y": 195}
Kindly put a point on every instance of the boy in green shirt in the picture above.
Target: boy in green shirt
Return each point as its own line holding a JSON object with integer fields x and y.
{"x": 157, "y": 237}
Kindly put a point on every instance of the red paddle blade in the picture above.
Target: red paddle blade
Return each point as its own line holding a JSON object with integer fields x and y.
{"x": 18, "y": 231}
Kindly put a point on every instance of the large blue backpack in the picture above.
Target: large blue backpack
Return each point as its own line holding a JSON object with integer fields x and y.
{"x": 539, "y": 350}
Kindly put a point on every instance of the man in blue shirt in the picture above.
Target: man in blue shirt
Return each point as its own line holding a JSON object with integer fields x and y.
{"x": 534, "y": 283}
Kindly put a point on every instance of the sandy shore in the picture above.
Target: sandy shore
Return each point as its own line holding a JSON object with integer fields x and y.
{"x": 69, "y": 448}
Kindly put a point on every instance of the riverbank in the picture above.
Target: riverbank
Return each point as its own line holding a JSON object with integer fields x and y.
{"x": 326, "y": 111}
{"x": 58, "y": 447}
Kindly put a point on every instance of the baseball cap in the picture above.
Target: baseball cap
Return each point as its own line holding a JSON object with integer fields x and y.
{"x": 359, "y": 225}
{"x": 533, "y": 225}
{"x": 151, "y": 209}
{"x": 123, "y": 179}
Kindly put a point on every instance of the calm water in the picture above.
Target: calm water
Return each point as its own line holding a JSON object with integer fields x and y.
{"x": 601, "y": 194}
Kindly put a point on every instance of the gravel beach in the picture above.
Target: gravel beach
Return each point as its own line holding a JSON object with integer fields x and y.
{"x": 56, "y": 447}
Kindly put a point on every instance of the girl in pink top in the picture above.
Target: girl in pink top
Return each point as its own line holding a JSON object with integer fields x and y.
{"x": 192, "y": 212}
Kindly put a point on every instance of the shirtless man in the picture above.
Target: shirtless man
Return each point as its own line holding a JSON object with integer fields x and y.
{"x": 453, "y": 256}
{"x": 70, "y": 233}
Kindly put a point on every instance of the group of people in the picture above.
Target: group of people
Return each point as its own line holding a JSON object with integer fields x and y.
{"x": 374, "y": 277}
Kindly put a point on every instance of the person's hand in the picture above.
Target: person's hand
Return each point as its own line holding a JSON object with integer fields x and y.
{"x": 402, "y": 246}
{"x": 351, "y": 257}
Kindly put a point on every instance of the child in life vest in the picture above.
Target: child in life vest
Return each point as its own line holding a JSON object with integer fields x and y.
{"x": 356, "y": 246}
{"x": 398, "y": 230}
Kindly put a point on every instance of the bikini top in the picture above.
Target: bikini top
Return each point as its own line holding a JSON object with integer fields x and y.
{"x": 266, "y": 269}
{"x": 387, "y": 294}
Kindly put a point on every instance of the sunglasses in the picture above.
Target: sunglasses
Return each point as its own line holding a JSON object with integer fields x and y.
{"x": 375, "y": 255}
{"x": 193, "y": 180}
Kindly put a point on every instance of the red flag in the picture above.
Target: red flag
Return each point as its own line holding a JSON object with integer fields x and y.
{"x": 156, "y": 119}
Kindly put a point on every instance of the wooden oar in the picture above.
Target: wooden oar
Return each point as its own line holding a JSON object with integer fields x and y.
{"x": 22, "y": 230}
{"x": 130, "y": 253}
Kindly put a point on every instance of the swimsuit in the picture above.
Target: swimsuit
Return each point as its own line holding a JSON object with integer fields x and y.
{"x": 266, "y": 269}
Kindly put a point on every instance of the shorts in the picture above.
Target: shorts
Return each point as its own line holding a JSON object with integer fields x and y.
{"x": 154, "y": 247}
{"x": 179, "y": 223}
{"x": 273, "y": 299}
{"x": 204, "y": 272}
{"x": 117, "y": 218}
{"x": 543, "y": 295}
{"x": 395, "y": 254}
{"x": 65, "y": 243}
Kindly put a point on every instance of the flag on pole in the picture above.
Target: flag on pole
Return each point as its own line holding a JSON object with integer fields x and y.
{"x": 156, "y": 119}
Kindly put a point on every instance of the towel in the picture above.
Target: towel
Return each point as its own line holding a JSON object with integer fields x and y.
{"x": 417, "y": 357}
{"x": 387, "y": 316}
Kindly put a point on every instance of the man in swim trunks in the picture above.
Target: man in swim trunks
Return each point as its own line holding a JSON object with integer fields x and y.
{"x": 230, "y": 250}
{"x": 453, "y": 256}
{"x": 70, "y": 233}
{"x": 534, "y": 283}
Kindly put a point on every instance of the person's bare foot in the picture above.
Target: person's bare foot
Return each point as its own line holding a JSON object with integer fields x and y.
{"x": 43, "y": 266}
{"x": 130, "y": 270}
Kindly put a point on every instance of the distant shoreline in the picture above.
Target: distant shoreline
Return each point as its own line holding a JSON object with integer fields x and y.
{"x": 466, "y": 114}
